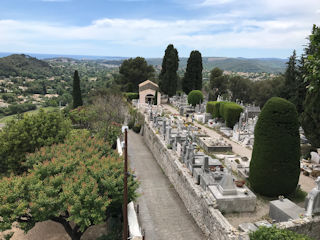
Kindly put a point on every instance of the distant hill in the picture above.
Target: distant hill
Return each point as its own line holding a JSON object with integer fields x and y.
{"x": 23, "y": 65}
{"x": 269, "y": 65}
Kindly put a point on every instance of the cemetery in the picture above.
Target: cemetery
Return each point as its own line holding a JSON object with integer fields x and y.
{"x": 210, "y": 178}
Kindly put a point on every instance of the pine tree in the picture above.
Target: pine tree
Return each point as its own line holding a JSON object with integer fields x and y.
{"x": 192, "y": 79}
{"x": 290, "y": 89}
{"x": 77, "y": 99}
{"x": 168, "y": 77}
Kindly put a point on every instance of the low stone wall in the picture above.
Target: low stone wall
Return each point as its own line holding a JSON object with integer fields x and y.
{"x": 198, "y": 203}
{"x": 306, "y": 226}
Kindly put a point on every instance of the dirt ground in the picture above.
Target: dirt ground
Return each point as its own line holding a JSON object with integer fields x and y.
{"x": 50, "y": 230}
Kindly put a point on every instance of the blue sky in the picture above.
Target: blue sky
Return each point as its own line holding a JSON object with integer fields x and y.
{"x": 226, "y": 28}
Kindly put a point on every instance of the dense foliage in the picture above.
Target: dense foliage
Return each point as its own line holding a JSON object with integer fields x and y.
{"x": 230, "y": 112}
{"x": 17, "y": 108}
{"x": 218, "y": 83}
{"x": 168, "y": 77}
{"x": 76, "y": 91}
{"x": 192, "y": 79}
{"x": 311, "y": 115}
{"x": 23, "y": 136}
{"x": 78, "y": 184}
{"x": 275, "y": 165}
{"x": 130, "y": 95}
{"x": 213, "y": 107}
{"x": 273, "y": 233}
{"x": 133, "y": 72}
{"x": 195, "y": 97}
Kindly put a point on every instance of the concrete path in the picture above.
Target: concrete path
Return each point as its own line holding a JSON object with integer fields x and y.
{"x": 163, "y": 215}
{"x": 306, "y": 183}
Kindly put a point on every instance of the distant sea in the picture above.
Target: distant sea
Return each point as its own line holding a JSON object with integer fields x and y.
{"x": 78, "y": 57}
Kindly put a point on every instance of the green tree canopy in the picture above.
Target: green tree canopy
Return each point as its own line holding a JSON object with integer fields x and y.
{"x": 195, "y": 97}
{"x": 273, "y": 233}
{"x": 310, "y": 118}
{"x": 77, "y": 184}
{"x": 133, "y": 72}
{"x": 192, "y": 79}
{"x": 275, "y": 163}
{"x": 76, "y": 93}
{"x": 23, "y": 136}
{"x": 240, "y": 89}
{"x": 168, "y": 77}
{"x": 218, "y": 83}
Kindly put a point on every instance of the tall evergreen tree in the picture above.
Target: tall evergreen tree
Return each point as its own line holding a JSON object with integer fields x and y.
{"x": 290, "y": 89}
{"x": 310, "y": 119}
{"x": 192, "y": 79}
{"x": 168, "y": 77}
{"x": 76, "y": 93}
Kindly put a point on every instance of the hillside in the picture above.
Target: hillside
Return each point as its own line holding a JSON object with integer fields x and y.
{"x": 23, "y": 65}
{"x": 271, "y": 65}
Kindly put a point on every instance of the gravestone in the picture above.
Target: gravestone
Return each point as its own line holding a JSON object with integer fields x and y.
{"x": 315, "y": 158}
{"x": 312, "y": 202}
{"x": 283, "y": 209}
{"x": 227, "y": 186}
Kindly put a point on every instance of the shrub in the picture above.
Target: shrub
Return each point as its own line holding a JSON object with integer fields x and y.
{"x": 273, "y": 233}
{"x": 210, "y": 107}
{"x": 131, "y": 124}
{"x": 231, "y": 113}
{"x": 131, "y": 95}
{"x": 195, "y": 97}
{"x": 136, "y": 128}
{"x": 275, "y": 165}
{"x": 23, "y": 136}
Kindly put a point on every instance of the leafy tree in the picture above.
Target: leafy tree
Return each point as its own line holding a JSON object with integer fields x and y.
{"x": 77, "y": 99}
{"x": 133, "y": 72}
{"x": 168, "y": 77}
{"x": 77, "y": 184}
{"x": 275, "y": 163}
{"x": 218, "y": 83}
{"x": 273, "y": 233}
{"x": 266, "y": 89}
{"x": 192, "y": 79}
{"x": 195, "y": 97}
{"x": 310, "y": 119}
{"x": 23, "y": 136}
{"x": 240, "y": 88}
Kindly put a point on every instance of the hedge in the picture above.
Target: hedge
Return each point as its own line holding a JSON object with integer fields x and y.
{"x": 213, "y": 108}
{"x": 131, "y": 95}
{"x": 195, "y": 97}
{"x": 229, "y": 111}
{"x": 273, "y": 233}
{"x": 275, "y": 163}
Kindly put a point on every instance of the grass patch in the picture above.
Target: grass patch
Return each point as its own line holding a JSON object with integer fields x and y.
{"x": 298, "y": 196}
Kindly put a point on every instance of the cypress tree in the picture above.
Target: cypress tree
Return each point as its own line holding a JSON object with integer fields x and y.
{"x": 192, "y": 79}
{"x": 76, "y": 93}
{"x": 275, "y": 163}
{"x": 168, "y": 77}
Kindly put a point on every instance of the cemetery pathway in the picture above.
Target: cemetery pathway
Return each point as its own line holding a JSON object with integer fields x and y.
{"x": 162, "y": 213}
{"x": 306, "y": 183}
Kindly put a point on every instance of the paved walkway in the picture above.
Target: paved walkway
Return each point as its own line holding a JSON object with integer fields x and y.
{"x": 162, "y": 212}
{"x": 307, "y": 183}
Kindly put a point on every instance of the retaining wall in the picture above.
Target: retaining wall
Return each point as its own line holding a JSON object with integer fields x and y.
{"x": 198, "y": 203}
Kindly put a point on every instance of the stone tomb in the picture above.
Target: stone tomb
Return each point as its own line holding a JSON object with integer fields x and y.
{"x": 283, "y": 210}
{"x": 210, "y": 144}
{"x": 231, "y": 198}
